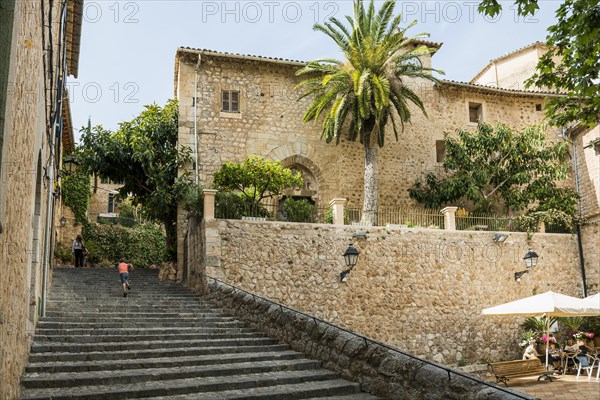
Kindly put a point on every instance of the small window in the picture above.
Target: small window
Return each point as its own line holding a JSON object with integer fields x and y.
{"x": 440, "y": 150}
{"x": 475, "y": 112}
{"x": 538, "y": 107}
{"x": 230, "y": 100}
{"x": 113, "y": 202}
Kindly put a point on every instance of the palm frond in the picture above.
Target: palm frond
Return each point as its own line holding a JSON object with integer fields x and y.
{"x": 370, "y": 88}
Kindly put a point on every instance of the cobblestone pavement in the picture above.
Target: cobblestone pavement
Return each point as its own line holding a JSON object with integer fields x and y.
{"x": 565, "y": 387}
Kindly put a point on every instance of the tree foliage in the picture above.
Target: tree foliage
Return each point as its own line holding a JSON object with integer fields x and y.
{"x": 494, "y": 165}
{"x": 572, "y": 66}
{"x": 371, "y": 88}
{"x": 298, "y": 210}
{"x": 76, "y": 193}
{"x": 142, "y": 154}
{"x": 256, "y": 178}
{"x": 141, "y": 245}
{"x": 493, "y": 7}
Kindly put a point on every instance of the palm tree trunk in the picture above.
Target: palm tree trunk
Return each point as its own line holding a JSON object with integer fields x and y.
{"x": 369, "y": 212}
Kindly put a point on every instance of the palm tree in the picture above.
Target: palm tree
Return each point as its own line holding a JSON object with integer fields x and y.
{"x": 370, "y": 88}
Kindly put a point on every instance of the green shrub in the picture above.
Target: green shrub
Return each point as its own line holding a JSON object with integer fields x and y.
{"x": 234, "y": 205}
{"x": 127, "y": 215}
{"x": 193, "y": 201}
{"x": 141, "y": 245}
{"x": 298, "y": 210}
{"x": 63, "y": 253}
{"x": 329, "y": 216}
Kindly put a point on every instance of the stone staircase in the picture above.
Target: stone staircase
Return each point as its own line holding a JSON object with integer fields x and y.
{"x": 160, "y": 342}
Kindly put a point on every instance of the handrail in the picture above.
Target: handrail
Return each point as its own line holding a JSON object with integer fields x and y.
{"x": 366, "y": 339}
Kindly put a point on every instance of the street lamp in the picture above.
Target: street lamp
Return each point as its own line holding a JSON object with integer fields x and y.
{"x": 351, "y": 258}
{"x": 70, "y": 164}
{"x": 531, "y": 259}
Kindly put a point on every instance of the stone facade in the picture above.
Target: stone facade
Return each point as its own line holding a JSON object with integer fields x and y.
{"x": 269, "y": 123}
{"x": 418, "y": 290}
{"x": 586, "y": 159}
{"x": 25, "y": 190}
{"x": 103, "y": 198}
{"x": 379, "y": 369}
{"x": 510, "y": 72}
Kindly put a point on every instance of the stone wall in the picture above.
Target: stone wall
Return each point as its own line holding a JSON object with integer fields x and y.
{"x": 23, "y": 199}
{"x": 588, "y": 171}
{"x": 270, "y": 124}
{"x": 419, "y": 290}
{"x": 378, "y": 369}
{"x": 100, "y": 197}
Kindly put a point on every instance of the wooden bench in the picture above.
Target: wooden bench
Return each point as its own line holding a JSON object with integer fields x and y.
{"x": 505, "y": 370}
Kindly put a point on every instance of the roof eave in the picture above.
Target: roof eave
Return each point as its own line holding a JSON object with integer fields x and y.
{"x": 73, "y": 37}
{"x": 489, "y": 89}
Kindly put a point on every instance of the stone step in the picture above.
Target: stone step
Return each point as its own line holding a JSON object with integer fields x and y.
{"x": 92, "y": 332}
{"x": 136, "y": 319}
{"x": 141, "y": 338}
{"x": 117, "y": 391}
{"x": 131, "y": 308}
{"x": 130, "y": 301}
{"x": 57, "y": 315}
{"x": 161, "y": 341}
{"x": 330, "y": 390}
{"x": 134, "y": 324}
{"x": 149, "y": 353}
{"x": 252, "y": 355}
{"x": 147, "y": 345}
{"x": 137, "y": 376}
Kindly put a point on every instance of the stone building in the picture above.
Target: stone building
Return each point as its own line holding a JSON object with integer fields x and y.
{"x": 511, "y": 71}
{"x": 421, "y": 290}
{"x": 235, "y": 105}
{"x": 39, "y": 47}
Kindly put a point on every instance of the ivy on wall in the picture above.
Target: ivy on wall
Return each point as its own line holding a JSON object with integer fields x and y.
{"x": 76, "y": 194}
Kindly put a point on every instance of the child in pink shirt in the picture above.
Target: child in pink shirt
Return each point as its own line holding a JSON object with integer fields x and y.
{"x": 123, "y": 268}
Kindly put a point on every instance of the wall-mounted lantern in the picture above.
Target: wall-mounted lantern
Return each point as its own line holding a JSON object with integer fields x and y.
{"x": 351, "y": 258}
{"x": 531, "y": 259}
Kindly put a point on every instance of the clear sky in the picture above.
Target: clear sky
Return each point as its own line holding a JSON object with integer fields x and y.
{"x": 128, "y": 47}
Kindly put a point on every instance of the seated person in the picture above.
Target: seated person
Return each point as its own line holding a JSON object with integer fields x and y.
{"x": 554, "y": 353}
{"x": 530, "y": 351}
{"x": 571, "y": 346}
{"x": 583, "y": 352}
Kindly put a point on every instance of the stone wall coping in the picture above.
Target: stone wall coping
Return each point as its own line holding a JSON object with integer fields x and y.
{"x": 381, "y": 366}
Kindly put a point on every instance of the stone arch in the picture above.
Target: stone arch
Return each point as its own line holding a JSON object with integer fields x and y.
{"x": 311, "y": 174}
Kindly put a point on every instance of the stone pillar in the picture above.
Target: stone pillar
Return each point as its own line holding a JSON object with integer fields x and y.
{"x": 338, "y": 210}
{"x": 209, "y": 204}
{"x": 449, "y": 218}
{"x": 541, "y": 227}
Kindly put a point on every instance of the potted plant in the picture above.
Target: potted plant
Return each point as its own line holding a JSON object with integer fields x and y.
{"x": 592, "y": 324}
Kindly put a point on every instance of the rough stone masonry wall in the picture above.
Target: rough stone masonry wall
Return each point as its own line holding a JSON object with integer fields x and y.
{"x": 419, "y": 290}
{"x": 270, "y": 124}
{"x": 377, "y": 368}
{"x": 23, "y": 137}
{"x": 588, "y": 168}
